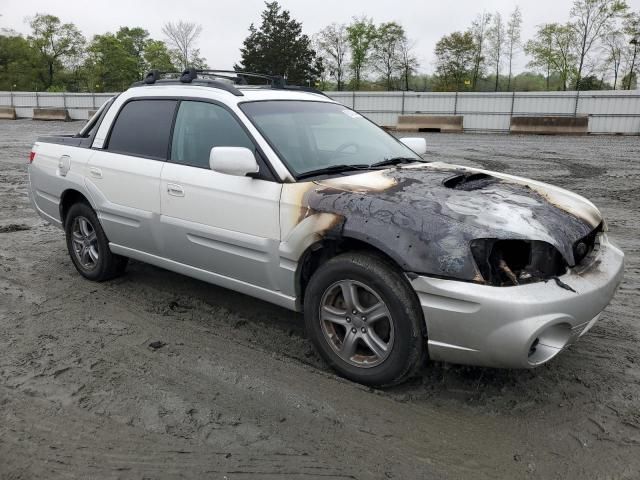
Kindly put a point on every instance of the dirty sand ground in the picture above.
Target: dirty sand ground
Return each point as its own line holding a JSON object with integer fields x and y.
{"x": 238, "y": 392}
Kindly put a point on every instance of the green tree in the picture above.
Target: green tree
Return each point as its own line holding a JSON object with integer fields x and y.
{"x": 73, "y": 77}
{"x": 156, "y": 56}
{"x": 592, "y": 82}
{"x": 385, "y": 57}
{"x": 361, "y": 33}
{"x": 279, "y": 47}
{"x": 591, "y": 21}
{"x": 422, "y": 82}
{"x": 540, "y": 49}
{"x": 109, "y": 66}
{"x": 552, "y": 49}
{"x": 535, "y": 82}
{"x": 134, "y": 41}
{"x": 55, "y": 42}
{"x": 18, "y": 63}
{"x": 455, "y": 60}
{"x": 564, "y": 57}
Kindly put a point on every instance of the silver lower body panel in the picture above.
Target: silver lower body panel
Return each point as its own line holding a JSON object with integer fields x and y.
{"x": 521, "y": 326}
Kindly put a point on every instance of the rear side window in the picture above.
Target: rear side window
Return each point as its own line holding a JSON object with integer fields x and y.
{"x": 143, "y": 128}
{"x": 91, "y": 126}
{"x": 199, "y": 127}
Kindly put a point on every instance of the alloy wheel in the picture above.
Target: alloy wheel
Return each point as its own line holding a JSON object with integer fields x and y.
{"x": 85, "y": 243}
{"x": 356, "y": 323}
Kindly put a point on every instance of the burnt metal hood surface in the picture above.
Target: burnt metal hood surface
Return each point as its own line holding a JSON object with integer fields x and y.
{"x": 425, "y": 215}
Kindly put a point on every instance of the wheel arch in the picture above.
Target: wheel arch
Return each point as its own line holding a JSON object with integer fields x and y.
{"x": 68, "y": 198}
{"x": 326, "y": 248}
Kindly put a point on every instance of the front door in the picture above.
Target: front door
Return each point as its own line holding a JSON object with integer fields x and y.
{"x": 225, "y": 224}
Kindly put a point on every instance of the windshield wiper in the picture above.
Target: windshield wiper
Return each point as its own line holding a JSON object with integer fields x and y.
{"x": 358, "y": 166}
{"x": 334, "y": 169}
{"x": 395, "y": 161}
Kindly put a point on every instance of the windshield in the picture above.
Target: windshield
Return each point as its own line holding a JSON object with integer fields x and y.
{"x": 311, "y": 136}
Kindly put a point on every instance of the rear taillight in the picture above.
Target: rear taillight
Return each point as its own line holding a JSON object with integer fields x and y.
{"x": 32, "y": 155}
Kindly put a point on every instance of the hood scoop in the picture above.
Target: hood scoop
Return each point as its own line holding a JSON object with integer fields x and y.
{"x": 470, "y": 181}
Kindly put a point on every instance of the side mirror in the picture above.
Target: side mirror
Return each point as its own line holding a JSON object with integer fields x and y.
{"x": 417, "y": 144}
{"x": 238, "y": 161}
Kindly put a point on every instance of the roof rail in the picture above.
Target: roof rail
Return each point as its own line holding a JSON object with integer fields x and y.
{"x": 224, "y": 77}
{"x": 190, "y": 76}
{"x": 240, "y": 77}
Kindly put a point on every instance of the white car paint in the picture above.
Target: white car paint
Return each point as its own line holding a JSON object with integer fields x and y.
{"x": 221, "y": 228}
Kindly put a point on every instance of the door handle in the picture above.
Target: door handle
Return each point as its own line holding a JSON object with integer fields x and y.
{"x": 95, "y": 172}
{"x": 175, "y": 190}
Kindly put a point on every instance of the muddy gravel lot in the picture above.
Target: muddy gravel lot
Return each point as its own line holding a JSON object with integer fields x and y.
{"x": 236, "y": 390}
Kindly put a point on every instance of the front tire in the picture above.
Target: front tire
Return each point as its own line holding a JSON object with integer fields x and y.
{"x": 364, "y": 319}
{"x": 88, "y": 245}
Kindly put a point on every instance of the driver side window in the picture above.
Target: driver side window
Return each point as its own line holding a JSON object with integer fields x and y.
{"x": 199, "y": 127}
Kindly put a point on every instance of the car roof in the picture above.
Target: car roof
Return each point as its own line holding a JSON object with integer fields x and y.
{"x": 249, "y": 93}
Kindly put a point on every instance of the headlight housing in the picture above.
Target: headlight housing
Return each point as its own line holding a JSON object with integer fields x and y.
{"x": 505, "y": 263}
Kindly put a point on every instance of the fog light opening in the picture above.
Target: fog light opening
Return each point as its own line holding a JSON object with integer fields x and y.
{"x": 549, "y": 343}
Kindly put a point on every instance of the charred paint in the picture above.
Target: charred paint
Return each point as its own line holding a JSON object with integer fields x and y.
{"x": 426, "y": 221}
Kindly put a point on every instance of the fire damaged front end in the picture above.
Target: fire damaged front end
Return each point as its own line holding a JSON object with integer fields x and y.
{"x": 508, "y": 271}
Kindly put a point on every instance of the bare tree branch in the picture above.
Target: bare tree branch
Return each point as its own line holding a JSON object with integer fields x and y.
{"x": 181, "y": 38}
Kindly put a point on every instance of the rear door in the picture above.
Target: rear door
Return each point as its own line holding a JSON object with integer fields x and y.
{"x": 225, "y": 224}
{"x": 124, "y": 177}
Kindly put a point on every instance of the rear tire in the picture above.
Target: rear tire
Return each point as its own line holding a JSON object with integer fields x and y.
{"x": 364, "y": 319}
{"x": 88, "y": 245}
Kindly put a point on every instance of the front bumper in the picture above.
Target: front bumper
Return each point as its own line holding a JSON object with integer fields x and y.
{"x": 522, "y": 326}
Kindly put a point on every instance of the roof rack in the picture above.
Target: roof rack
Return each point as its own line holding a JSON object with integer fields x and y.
{"x": 241, "y": 78}
{"x": 223, "y": 79}
{"x": 188, "y": 76}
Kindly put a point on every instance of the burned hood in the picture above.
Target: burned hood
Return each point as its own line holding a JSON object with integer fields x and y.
{"x": 426, "y": 215}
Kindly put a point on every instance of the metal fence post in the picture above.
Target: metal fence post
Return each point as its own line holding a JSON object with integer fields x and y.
{"x": 402, "y": 109}
{"x": 353, "y": 99}
{"x": 575, "y": 110}
{"x": 64, "y": 99}
{"x": 513, "y": 101}
{"x": 11, "y": 98}
{"x": 455, "y": 104}
{"x": 93, "y": 99}
{"x": 37, "y": 101}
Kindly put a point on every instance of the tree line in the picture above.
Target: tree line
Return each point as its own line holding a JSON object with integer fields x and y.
{"x": 596, "y": 48}
{"x": 55, "y": 56}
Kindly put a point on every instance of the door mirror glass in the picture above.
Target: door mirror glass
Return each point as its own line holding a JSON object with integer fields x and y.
{"x": 237, "y": 161}
{"x": 417, "y": 144}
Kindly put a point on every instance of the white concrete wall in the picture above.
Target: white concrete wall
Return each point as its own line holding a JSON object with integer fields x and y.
{"x": 610, "y": 111}
{"x": 78, "y": 104}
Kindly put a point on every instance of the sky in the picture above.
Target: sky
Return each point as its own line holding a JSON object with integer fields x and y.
{"x": 225, "y": 24}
